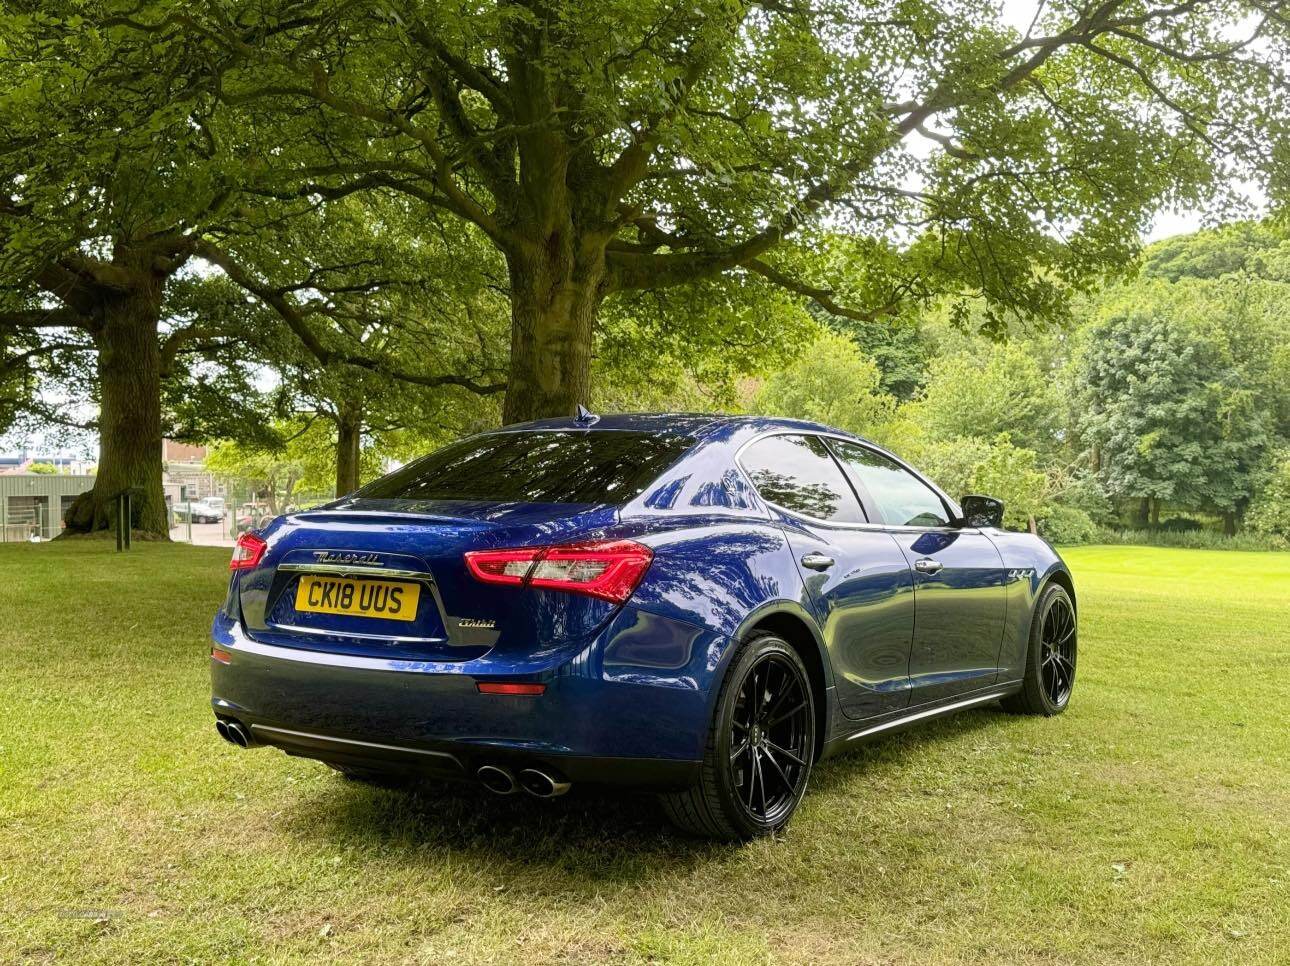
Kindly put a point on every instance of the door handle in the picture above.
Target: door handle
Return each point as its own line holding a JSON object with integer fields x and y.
{"x": 817, "y": 561}
{"x": 926, "y": 565}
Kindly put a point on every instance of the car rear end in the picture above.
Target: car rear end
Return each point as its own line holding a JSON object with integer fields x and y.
{"x": 461, "y": 614}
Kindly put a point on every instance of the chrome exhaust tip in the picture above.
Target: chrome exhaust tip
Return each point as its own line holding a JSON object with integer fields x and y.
{"x": 222, "y": 727}
{"x": 239, "y": 735}
{"x": 542, "y": 785}
{"x": 497, "y": 779}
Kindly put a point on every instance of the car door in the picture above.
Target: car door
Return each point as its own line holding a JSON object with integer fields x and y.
{"x": 959, "y": 597}
{"x": 858, "y": 580}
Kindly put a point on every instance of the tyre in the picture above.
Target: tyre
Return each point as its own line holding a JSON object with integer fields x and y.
{"x": 1050, "y": 660}
{"x": 760, "y": 747}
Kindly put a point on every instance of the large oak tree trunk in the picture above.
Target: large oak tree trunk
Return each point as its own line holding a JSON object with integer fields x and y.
{"x": 554, "y": 301}
{"x": 349, "y": 440}
{"x": 129, "y": 373}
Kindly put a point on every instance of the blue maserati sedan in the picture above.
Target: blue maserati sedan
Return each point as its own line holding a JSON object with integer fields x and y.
{"x": 704, "y": 606}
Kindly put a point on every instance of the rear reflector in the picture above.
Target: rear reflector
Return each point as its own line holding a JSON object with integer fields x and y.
{"x": 221, "y": 655}
{"x": 509, "y": 687}
{"x": 248, "y": 552}
{"x": 608, "y": 569}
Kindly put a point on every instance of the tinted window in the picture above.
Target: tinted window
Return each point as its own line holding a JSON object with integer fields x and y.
{"x": 900, "y": 497}
{"x": 797, "y": 473}
{"x": 541, "y": 467}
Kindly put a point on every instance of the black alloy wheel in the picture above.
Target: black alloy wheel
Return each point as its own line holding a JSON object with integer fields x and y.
{"x": 1049, "y": 677}
{"x": 758, "y": 756}
{"x": 769, "y": 738}
{"x": 1057, "y": 650}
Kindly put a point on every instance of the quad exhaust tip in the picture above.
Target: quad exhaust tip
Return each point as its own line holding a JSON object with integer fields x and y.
{"x": 541, "y": 784}
{"x": 498, "y": 780}
{"x": 235, "y": 733}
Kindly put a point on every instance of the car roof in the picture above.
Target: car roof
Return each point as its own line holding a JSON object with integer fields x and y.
{"x": 700, "y": 425}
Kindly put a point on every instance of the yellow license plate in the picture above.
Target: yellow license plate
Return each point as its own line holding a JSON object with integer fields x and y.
{"x": 358, "y": 598}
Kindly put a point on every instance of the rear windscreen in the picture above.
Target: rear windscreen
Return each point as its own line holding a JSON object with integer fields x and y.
{"x": 607, "y": 466}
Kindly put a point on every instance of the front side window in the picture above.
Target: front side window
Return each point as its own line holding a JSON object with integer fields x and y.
{"x": 608, "y": 466}
{"x": 901, "y": 498}
{"x": 797, "y": 473}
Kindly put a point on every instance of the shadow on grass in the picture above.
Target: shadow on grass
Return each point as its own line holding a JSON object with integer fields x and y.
{"x": 590, "y": 835}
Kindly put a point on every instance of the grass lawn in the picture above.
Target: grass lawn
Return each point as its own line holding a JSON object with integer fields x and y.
{"x": 1149, "y": 823}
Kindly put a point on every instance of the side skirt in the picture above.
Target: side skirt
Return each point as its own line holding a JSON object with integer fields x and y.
{"x": 850, "y": 739}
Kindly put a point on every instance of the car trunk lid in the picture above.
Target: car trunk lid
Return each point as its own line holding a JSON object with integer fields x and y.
{"x": 402, "y": 563}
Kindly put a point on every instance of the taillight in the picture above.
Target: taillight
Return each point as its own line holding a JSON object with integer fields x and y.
{"x": 608, "y": 569}
{"x": 502, "y": 566}
{"x": 248, "y": 552}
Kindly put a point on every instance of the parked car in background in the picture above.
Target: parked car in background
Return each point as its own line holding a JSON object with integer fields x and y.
{"x": 252, "y": 516}
{"x": 703, "y": 606}
{"x": 197, "y": 511}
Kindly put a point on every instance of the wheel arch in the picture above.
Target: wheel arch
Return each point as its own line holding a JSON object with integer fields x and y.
{"x": 795, "y": 629}
{"x": 1062, "y": 578}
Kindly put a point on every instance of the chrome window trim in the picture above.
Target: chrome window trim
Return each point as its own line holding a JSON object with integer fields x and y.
{"x": 869, "y": 525}
{"x": 739, "y": 464}
{"x": 950, "y": 506}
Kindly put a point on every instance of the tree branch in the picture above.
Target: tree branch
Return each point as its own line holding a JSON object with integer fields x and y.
{"x": 276, "y": 299}
{"x": 62, "y": 318}
{"x": 822, "y": 297}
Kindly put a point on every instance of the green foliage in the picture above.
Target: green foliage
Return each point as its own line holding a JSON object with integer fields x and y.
{"x": 690, "y": 348}
{"x": 299, "y": 465}
{"x": 993, "y": 467}
{"x": 831, "y": 382}
{"x": 1082, "y": 490}
{"x": 1164, "y": 407}
{"x": 1194, "y": 539}
{"x": 1067, "y": 525}
{"x": 999, "y": 388}
{"x": 47, "y": 469}
{"x": 1249, "y": 249}
{"x": 1270, "y": 512}
{"x": 620, "y": 146}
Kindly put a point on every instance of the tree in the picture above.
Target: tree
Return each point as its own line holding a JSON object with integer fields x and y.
{"x": 1168, "y": 418}
{"x": 1248, "y": 249}
{"x": 99, "y": 202}
{"x": 298, "y": 462}
{"x": 832, "y": 383}
{"x": 384, "y": 330}
{"x": 1225, "y": 293}
{"x": 109, "y": 180}
{"x": 996, "y": 389}
{"x": 116, "y": 178}
{"x": 1270, "y": 511}
{"x": 629, "y": 145}
{"x": 994, "y": 467}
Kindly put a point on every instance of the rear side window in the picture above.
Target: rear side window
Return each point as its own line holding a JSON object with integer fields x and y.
{"x": 797, "y": 473}
{"x": 607, "y": 466}
{"x": 902, "y": 498}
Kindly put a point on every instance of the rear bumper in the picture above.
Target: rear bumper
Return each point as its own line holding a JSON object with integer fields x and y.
{"x": 600, "y": 719}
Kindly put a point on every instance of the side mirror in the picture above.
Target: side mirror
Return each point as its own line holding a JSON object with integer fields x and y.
{"x": 982, "y": 511}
